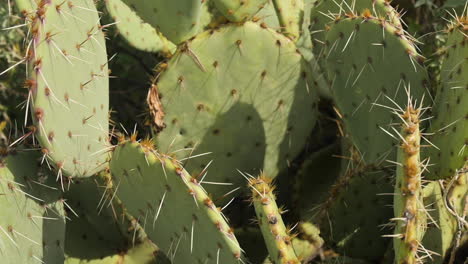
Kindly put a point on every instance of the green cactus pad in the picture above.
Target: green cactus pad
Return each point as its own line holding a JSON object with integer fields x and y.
{"x": 277, "y": 238}
{"x": 176, "y": 20}
{"x": 351, "y": 218}
{"x": 100, "y": 219}
{"x": 251, "y": 241}
{"x": 290, "y": 14}
{"x": 450, "y": 123}
{"x": 268, "y": 16}
{"x": 250, "y": 96}
{"x": 441, "y": 225}
{"x": 313, "y": 180}
{"x": 144, "y": 253}
{"x": 459, "y": 190}
{"x": 26, "y": 6}
{"x": 32, "y": 218}
{"x": 139, "y": 34}
{"x": 239, "y": 11}
{"x": 172, "y": 207}
{"x": 321, "y": 18}
{"x": 308, "y": 244}
{"x": 362, "y": 51}
{"x": 325, "y": 11}
{"x": 68, "y": 81}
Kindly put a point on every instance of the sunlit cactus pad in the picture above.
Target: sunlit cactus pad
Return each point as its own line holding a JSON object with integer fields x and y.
{"x": 32, "y": 218}
{"x": 171, "y": 206}
{"x": 249, "y": 103}
{"x": 68, "y": 82}
{"x": 139, "y": 34}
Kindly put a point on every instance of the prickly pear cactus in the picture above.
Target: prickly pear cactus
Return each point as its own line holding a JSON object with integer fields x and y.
{"x": 441, "y": 224}
{"x": 32, "y": 219}
{"x": 174, "y": 209}
{"x": 98, "y": 218}
{"x": 290, "y": 14}
{"x": 239, "y": 11}
{"x": 249, "y": 93}
{"x": 358, "y": 58}
{"x": 410, "y": 214}
{"x": 68, "y": 85}
{"x": 450, "y": 124}
{"x": 277, "y": 238}
{"x": 144, "y": 253}
{"x": 139, "y": 34}
{"x": 177, "y": 21}
{"x": 307, "y": 93}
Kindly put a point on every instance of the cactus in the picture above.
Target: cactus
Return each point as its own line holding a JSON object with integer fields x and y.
{"x": 178, "y": 22}
{"x": 98, "y": 217}
{"x": 144, "y": 253}
{"x": 176, "y": 212}
{"x": 139, "y": 34}
{"x": 310, "y": 187}
{"x": 442, "y": 226}
{"x": 280, "y": 89}
{"x": 450, "y": 125}
{"x": 410, "y": 215}
{"x": 278, "y": 240}
{"x": 269, "y": 97}
{"x": 68, "y": 85}
{"x": 356, "y": 48}
{"x": 239, "y": 11}
{"x": 32, "y": 219}
{"x": 290, "y": 16}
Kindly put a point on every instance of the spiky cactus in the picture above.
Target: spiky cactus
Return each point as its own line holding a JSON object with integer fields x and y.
{"x": 304, "y": 93}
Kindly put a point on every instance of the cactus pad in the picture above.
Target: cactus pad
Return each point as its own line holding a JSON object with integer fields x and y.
{"x": 32, "y": 221}
{"x": 450, "y": 124}
{"x": 348, "y": 219}
{"x": 99, "y": 219}
{"x": 239, "y": 11}
{"x": 144, "y": 253}
{"x": 358, "y": 50}
{"x": 290, "y": 14}
{"x": 324, "y": 11}
{"x": 176, "y": 20}
{"x": 251, "y": 96}
{"x": 139, "y": 34}
{"x": 441, "y": 226}
{"x": 68, "y": 82}
{"x": 171, "y": 206}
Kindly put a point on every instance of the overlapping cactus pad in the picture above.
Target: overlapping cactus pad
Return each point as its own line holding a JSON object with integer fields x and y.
{"x": 141, "y": 254}
{"x": 98, "y": 227}
{"x": 68, "y": 83}
{"x": 32, "y": 217}
{"x": 238, "y": 11}
{"x": 138, "y": 33}
{"x": 442, "y": 225}
{"x": 250, "y": 96}
{"x": 360, "y": 126}
{"x": 358, "y": 58}
{"x": 172, "y": 207}
{"x": 178, "y": 21}
{"x": 450, "y": 125}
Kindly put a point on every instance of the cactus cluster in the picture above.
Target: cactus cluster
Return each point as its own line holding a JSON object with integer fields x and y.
{"x": 299, "y": 131}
